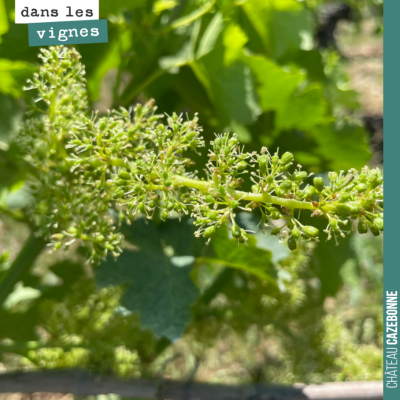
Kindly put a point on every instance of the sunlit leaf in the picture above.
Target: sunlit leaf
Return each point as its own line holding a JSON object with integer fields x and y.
{"x": 234, "y": 40}
{"x": 345, "y": 146}
{"x": 210, "y": 36}
{"x": 276, "y": 84}
{"x": 304, "y": 110}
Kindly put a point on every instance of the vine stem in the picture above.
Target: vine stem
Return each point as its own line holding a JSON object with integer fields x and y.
{"x": 30, "y": 251}
{"x": 204, "y": 187}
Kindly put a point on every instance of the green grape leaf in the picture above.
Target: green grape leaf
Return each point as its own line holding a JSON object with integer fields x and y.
{"x": 185, "y": 55}
{"x": 234, "y": 40}
{"x": 69, "y": 273}
{"x": 291, "y": 29}
{"x": 250, "y": 259}
{"x": 210, "y": 36}
{"x": 302, "y": 111}
{"x": 312, "y": 61}
{"x": 10, "y": 119}
{"x": 159, "y": 287}
{"x": 19, "y": 326}
{"x": 162, "y": 5}
{"x": 103, "y": 61}
{"x": 328, "y": 262}
{"x": 193, "y": 16}
{"x": 278, "y": 91}
{"x": 284, "y": 26}
{"x": 345, "y": 146}
{"x": 276, "y": 84}
{"x": 13, "y": 76}
{"x": 328, "y": 259}
{"x": 3, "y": 19}
{"x": 230, "y": 88}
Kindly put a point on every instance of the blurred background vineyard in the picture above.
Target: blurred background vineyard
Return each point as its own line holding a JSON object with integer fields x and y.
{"x": 301, "y": 76}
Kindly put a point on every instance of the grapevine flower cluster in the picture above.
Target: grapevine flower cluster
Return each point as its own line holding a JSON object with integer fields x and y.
{"x": 83, "y": 165}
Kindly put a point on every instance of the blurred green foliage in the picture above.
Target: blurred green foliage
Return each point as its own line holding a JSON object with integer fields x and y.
{"x": 251, "y": 67}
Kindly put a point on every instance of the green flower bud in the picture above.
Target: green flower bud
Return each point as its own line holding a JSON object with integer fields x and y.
{"x": 212, "y": 215}
{"x": 345, "y": 197}
{"x": 169, "y": 205}
{"x": 99, "y": 238}
{"x": 327, "y": 191}
{"x": 164, "y": 215}
{"x": 209, "y": 231}
{"x": 222, "y": 190}
{"x": 275, "y": 231}
{"x": 287, "y": 158}
{"x": 311, "y": 231}
{"x": 376, "y": 182}
{"x": 262, "y": 160}
{"x": 362, "y": 227}
{"x": 118, "y": 194}
{"x": 170, "y": 160}
{"x": 217, "y": 144}
{"x": 209, "y": 198}
{"x": 300, "y": 176}
{"x": 275, "y": 159}
{"x": 142, "y": 208}
{"x": 201, "y": 221}
{"x": 270, "y": 179}
{"x": 319, "y": 183}
{"x": 343, "y": 209}
{"x": 332, "y": 176}
{"x": 168, "y": 183}
{"x": 233, "y": 142}
{"x": 286, "y": 184}
{"x": 241, "y": 165}
{"x": 280, "y": 192}
{"x": 295, "y": 233}
{"x": 292, "y": 243}
{"x": 243, "y": 236}
{"x": 262, "y": 163}
{"x": 103, "y": 124}
{"x": 285, "y": 167}
{"x": 139, "y": 110}
{"x": 354, "y": 209}
{"x": 309, "y": 191}
{"x": 361, "y": 188}
{"x": 236, "y": 230}
{"x": 227, "y": 151}
{"x": 378, "y": 222}
{"x": 362, "y": 177}
{"x": 374, "y": 229}
{"x": 234, "y": 204}
{"x": 275, "y": 215}
{"x": 334, "y": 224}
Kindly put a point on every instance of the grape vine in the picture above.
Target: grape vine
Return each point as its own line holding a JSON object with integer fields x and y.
{"x": 135, "y": 161}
